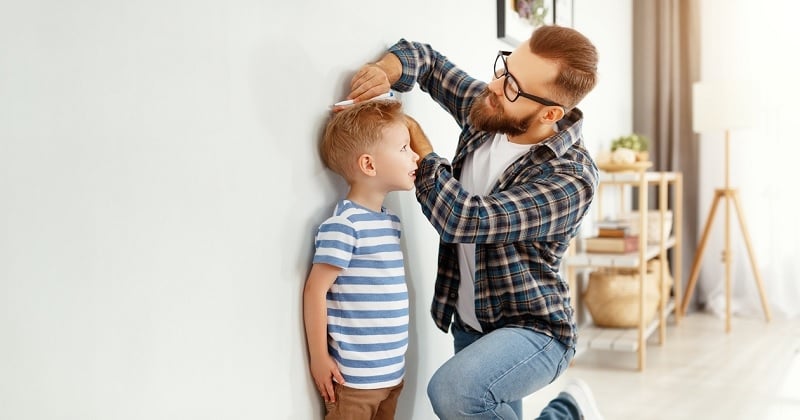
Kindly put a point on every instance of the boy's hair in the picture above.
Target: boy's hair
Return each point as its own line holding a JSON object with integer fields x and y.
{"x": 354, "y": 131}
{"x": 577, "y": 59}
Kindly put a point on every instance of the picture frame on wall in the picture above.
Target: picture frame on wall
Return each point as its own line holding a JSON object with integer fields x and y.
{"x": 516, "y": 19}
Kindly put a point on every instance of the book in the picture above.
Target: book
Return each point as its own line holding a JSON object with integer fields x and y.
{"x": 614, "y": 228}
{"x": 613, "y": 245}
{"x": 614, "y": 232}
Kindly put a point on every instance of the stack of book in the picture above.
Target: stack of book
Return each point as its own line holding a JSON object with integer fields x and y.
{"x": 613, "y": 237}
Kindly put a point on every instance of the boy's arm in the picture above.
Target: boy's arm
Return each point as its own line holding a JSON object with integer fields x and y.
{"x": 315, "y": 314}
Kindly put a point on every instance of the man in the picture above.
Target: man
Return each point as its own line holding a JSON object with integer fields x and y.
{"x": 520, "y": 183}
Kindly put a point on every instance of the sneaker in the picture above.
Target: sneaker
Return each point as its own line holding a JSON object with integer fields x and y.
{"x": 580, "y": 391}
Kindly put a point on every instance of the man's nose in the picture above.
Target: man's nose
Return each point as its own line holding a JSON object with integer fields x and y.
{"x": 496, "y": 85}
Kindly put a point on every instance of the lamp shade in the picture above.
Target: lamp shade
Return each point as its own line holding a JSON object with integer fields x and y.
{"x": 723, "y": 105}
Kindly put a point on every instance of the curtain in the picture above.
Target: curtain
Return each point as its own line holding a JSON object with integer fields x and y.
{"x": 665, "y": 64}
{"x": 679, "y": 42}
{"x": 742, "y": 40}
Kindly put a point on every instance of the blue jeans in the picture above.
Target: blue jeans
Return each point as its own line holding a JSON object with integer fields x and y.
{"x": 490, "y": 374}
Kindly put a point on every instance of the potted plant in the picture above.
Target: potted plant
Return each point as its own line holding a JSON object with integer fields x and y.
{"x": 637, "y": 143}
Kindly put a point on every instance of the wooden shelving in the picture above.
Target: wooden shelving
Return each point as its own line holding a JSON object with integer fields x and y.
{"x": 616, "y": 339}
{"x": 634, "y": 339}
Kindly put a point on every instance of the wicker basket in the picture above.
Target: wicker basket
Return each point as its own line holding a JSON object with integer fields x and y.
{"x": 613, "y": 295}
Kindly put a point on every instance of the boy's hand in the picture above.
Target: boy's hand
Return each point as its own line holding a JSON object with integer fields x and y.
{"x": 419, "y": 141}
{"x": 324, "y": 370}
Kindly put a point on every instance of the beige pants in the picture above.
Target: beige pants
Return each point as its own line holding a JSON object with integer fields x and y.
{"x": 363, "y": 404}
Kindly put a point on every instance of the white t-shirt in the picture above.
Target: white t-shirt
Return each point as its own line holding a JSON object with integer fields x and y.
{"x": 479, "y": 175}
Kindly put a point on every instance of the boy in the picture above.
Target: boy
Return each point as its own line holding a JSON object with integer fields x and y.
{"x": 355, "y": 301}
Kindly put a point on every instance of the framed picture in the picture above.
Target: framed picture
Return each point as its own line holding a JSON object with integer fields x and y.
{"x": 516, "y": 19}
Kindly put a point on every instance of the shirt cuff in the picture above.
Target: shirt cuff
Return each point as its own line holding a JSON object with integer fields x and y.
{"x": 404, "y": 50}
{"x": 427, "y": 170}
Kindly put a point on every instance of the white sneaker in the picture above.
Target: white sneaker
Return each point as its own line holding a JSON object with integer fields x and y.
{"x": 580, "y": 391}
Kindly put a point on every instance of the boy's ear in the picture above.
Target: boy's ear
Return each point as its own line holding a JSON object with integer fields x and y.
{"x": 366, "y": 164}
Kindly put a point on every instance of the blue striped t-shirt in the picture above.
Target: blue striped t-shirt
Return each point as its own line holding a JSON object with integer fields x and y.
{"x": 368, "y": 302}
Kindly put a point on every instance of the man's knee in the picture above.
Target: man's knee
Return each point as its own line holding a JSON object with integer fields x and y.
{"x": 436, "y": 393}
{"x": 443, "y": 394}
{"x": 452, "y": 394}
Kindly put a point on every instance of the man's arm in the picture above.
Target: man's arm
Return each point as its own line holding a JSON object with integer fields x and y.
{"x": 545, "y": 208}
{"x": 419, "y": 141}
{"x": 410, "y": 63}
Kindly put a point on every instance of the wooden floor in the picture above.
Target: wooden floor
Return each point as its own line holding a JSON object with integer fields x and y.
{"x": 700, "y": 373}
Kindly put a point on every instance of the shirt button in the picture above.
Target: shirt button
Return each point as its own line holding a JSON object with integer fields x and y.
{"x": 453, "y": 295}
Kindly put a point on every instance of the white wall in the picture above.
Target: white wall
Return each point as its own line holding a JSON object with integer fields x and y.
{"x": 160, "y": 186}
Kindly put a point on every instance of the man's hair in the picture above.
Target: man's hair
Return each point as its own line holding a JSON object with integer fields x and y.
{"x": 354, "y": 131}
{"x": 576, "y": 57}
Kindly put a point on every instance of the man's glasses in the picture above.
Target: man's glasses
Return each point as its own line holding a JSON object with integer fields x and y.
{"x": 510, "y": 85}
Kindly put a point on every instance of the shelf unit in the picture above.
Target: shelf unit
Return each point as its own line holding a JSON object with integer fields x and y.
{"x": 634, "y": 339}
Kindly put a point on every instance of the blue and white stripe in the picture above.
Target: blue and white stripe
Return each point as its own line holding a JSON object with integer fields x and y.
{"x": 368, "y": 302}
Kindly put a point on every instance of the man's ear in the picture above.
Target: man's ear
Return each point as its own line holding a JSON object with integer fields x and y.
{"x": 553, "y": 114}
{"x": 366, "y": 164}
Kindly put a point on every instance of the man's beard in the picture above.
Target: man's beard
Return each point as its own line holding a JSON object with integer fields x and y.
{"x": 494, "y": 119}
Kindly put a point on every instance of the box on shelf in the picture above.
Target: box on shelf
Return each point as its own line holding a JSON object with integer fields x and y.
{"x": 653, "y": 224}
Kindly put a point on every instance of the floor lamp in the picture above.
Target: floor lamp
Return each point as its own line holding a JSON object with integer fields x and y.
{"x": 717, "y": 107}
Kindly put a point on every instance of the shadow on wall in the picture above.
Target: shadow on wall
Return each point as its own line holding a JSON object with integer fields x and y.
{"x": 301, "y": 188}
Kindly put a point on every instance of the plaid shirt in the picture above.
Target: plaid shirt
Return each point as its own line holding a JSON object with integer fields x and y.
{"x": 521, "y": 230}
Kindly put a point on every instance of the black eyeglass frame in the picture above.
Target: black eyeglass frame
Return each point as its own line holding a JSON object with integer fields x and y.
{"x": 501, "y": 55}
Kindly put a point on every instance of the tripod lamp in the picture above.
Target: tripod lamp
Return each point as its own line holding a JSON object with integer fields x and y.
{"x": 721, "y": 107}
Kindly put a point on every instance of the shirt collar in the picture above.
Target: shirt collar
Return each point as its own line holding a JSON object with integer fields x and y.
{"x": 569, "y": 133}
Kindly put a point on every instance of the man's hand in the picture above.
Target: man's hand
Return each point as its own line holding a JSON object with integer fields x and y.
{"x": 368, "y": 82}
{"x": 419, "y": 141}
{"x": 374, "y": 79}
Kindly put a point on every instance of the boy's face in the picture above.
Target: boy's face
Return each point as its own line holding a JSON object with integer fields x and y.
{"x": 395, "y": 162}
